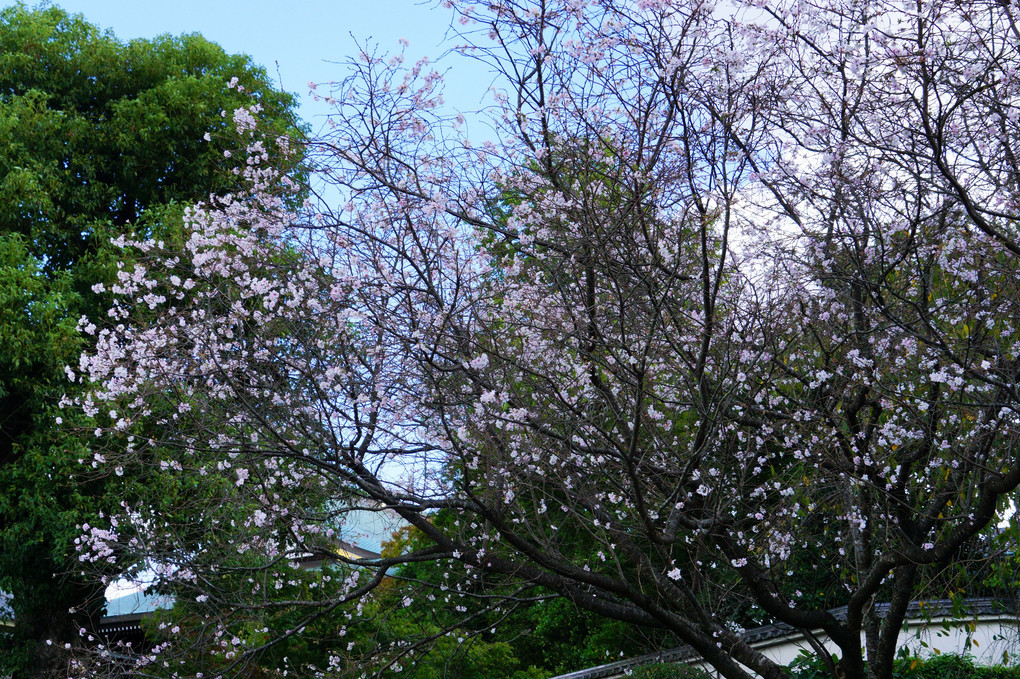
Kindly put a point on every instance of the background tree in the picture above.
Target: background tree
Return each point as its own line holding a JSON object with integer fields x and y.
{"x": 547, "y": 635}
{"x": 759, "y": 268}
{"x": 98, "y": 138}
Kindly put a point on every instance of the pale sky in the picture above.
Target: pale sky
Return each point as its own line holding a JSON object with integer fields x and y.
{"x": 296, "y": 39}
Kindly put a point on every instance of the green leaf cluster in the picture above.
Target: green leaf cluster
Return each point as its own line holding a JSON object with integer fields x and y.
{"x": 98, "y": 138}
{"x": 944, "y": 666}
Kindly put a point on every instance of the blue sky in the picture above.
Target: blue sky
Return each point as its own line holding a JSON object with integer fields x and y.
{"x": 300, "y": 36}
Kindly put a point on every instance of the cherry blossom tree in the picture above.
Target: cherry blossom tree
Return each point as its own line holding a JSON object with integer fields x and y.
{"x": 729, "y": 283}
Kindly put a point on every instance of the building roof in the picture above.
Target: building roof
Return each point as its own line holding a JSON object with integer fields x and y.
{"x": 6, "y": 611}
{"x": 124, "y": 613}
{"x": 368, "y": 529}
{"x": 134, "y": 603}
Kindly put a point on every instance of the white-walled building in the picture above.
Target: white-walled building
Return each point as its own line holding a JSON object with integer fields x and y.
{"x": 986, "y": 629}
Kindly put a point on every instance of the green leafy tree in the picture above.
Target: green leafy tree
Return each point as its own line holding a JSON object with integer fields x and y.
{"x": 98, "y": 138}
{"x": 545, "y": 634}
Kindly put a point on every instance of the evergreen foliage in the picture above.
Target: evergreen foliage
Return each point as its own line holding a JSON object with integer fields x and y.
{"x": 98, "y": 138}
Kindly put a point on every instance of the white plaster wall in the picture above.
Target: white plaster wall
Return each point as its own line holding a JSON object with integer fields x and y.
{"x": 990, "y": 641}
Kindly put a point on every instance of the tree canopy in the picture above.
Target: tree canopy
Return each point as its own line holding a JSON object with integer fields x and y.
{"x": 98, "y": 138}
{"x": 728, "y": 307}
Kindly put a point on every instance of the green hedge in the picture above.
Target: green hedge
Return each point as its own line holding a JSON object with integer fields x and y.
{"x": 946, "y": 666}
{"x": 950, "y": 667}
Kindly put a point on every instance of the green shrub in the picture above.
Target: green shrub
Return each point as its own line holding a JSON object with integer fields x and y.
{"x": 945, "y": 666}
{"x": 1000, "y": 672}
{"x": 950, "y": 666}
{"x": 937, "y": 667}
{"x": 809, "y": 666}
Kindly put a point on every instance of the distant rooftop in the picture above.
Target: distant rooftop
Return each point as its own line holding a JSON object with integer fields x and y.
{"x": 135, "y": 603}
{"x": 368, "y": 529}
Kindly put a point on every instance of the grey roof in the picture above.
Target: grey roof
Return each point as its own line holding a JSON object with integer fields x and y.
{"x": 619, "y": 668}
{"x": 368, "y": 529}
{"x": 6, "y": 610}
{"x": 136, "y": 603}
